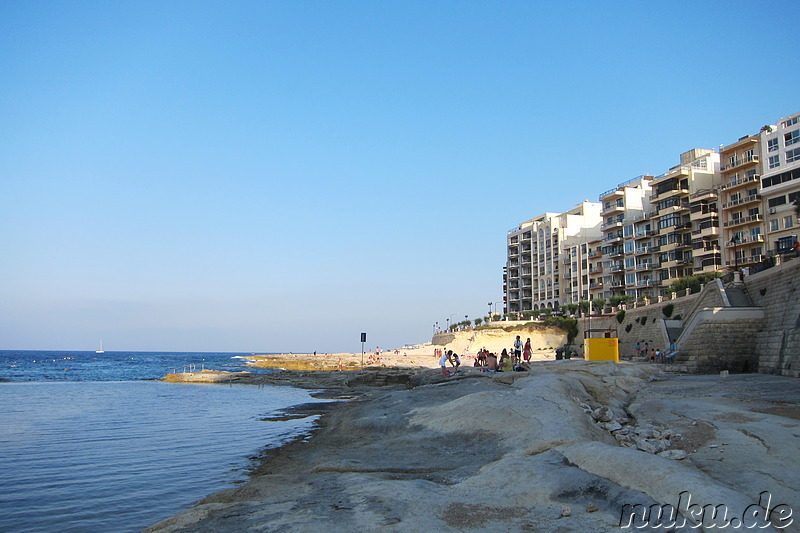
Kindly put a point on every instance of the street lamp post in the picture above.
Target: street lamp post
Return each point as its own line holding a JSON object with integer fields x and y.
{"x": 734, "y": 241}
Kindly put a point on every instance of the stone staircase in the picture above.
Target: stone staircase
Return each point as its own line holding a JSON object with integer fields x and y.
{"x": 719, "y": 332}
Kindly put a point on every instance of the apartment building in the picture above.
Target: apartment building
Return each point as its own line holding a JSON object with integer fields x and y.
{"x": 714, "y": 211}
{"x": 780, "y": 182}
{"x": 694, "y": 180}
{"x": 627, "y": 263}
{"x": 741, "y": 211}
{"x": 535, "y": 263}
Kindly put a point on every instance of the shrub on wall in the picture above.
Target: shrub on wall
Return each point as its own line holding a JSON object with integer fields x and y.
{"x": 668, "y": 310}
{"x": 628, "y": 328}
{"x": 621, "y": 316}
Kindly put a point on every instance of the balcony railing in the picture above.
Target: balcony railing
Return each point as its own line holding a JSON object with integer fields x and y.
{"x": 737, "y": 162}
{"x": 740, "y": 181}
{"x": 744, "y": 200}
{"x": 743, "y": 220}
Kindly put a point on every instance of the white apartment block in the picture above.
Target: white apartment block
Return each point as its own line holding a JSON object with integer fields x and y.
{"x": 627, "y": 263}
{"x": 674, "y": 193}
{"x": 780, "y": 182}
{"x": 535, "y": 268}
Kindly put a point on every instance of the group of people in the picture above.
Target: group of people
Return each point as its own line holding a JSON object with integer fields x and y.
{"x": 516, "y": 359}
{"x": 653, "y": 355}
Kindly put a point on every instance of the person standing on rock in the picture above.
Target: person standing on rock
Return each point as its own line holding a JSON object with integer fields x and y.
{"x": 456, "y": 362}
{"x": 526, "y": 351}
{"x": 517, "y": 350}
{"x": 443, "y": 363}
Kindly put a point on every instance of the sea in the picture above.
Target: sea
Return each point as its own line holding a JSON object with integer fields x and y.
{"x": 94, "y": 442}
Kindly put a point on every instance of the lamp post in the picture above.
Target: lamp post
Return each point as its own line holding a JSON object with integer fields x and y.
{"x": 734, "y": 241}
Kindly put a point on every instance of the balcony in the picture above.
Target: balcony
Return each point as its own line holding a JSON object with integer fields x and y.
{"x": 643, "y": 251}
{"x": 747, "y": 260}
{"x": 758, "y": 217}
{"x": 612, "y": 224}
{"x": 677, "y": 208}
{"x": 748, "y": 239}
{"x": 617, "y": 268}
{"x": 616, "y": 207}
{"x": 703, "y": 194}
{"x": 743, "y": 200}
{"x": 708, "y": 231}
{"x": 755, "y": 178}
{"x": 644, "y": 266}
{"x": 739, "y": 162}
{"x": 668, "y": 194}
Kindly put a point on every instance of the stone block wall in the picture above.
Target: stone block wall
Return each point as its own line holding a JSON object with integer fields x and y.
{"x": 777, "y": 291}
{"x": 722, "y": 344}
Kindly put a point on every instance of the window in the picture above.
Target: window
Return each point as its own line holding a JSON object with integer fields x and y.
{"x": 791, "y": 138}
{"x": 773, "y": 225}
{"x": 772, "y": 145}
{"x": 778, "y": 200}
{"x": 793, "y": 155}
{"x": 791, "y": 122}
{"x": 630, "y": 262}
{"x": 774, "y": 161}
{"x": 755, "y": 233}
{"x": 784, "y": 244}
{"x": 787, "y": 222}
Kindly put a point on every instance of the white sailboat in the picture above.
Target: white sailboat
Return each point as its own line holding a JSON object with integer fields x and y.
{"x": 101, "y": 348}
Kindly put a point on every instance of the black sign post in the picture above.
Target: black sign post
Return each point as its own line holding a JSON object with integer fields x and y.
{"x": 363, "y": 340}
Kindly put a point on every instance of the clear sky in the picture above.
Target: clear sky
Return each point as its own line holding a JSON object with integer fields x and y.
{"x": 281, "y": 176}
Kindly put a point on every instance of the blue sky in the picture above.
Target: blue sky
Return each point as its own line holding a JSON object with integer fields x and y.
{"x": 281, "y": 176}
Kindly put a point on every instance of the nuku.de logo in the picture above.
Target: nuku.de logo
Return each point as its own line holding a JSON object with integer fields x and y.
{"x": 756, "y": 516}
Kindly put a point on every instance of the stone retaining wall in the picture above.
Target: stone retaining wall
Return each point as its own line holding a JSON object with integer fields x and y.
{"x": 778, "y": 342}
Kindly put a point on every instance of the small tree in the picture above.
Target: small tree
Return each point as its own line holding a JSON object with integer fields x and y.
{"x": 478, "y": 322}
{"x": 598, "y": 304}
{"x": 620, "y": 299}
{"x": 584, "y": 306}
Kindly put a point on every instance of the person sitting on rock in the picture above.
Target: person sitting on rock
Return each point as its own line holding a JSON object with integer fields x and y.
{"x": 506, "y": 365}
{"x": 491, "y": 362}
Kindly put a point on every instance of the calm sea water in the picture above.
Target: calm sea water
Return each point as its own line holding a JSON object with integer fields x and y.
{"x": 87, "y": 443}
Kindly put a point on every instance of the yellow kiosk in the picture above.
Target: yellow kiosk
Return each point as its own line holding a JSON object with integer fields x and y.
{"x": 601, "y": 348}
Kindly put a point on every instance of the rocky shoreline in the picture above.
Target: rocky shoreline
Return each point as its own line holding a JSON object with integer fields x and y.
{"x": 563, "y": 448}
